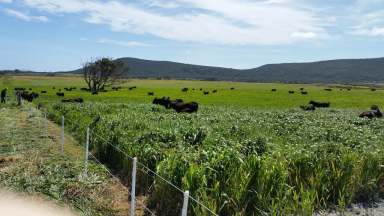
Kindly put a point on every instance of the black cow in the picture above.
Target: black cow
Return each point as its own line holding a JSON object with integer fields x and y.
{"x": 206, "y": 93}
{"x": 60, "y": 94}
{"x": 181, "y": 107}
{"x": 184, "y": 89}
{"x": 328, "y": 89}
{"x": 43, "y": 92}
{"x": 304, "y": 93}
{"x": 151, "y": 93}
{"x": 373, "y": 89}
{"x": 374, "y": 113}
{"x": 131, "y": 88}
{"x": 73, "y": 100}
{"x": 273, "y": 90}
{"x": 214, "y": 91}
{"x": 232, "y": 88}
{"x": 291, "y": 92}
{"x": 320, "y": 104}
{"x": 28, "y": 96}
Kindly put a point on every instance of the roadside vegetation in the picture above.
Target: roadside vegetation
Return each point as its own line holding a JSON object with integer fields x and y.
{"x": 31, "y": 164}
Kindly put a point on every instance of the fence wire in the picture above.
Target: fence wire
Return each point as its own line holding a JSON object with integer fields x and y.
{"x": 141, "y": 166}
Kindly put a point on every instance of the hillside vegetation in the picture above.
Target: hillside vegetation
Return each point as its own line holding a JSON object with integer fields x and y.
{"x": 333, "y": 71}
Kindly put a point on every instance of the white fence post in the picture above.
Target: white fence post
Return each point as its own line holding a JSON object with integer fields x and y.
{"x": 62, "y": 135}
{"x": 133, "y": 189}
{"x": 86, "y": 154}
{"x": 184, "y": 211}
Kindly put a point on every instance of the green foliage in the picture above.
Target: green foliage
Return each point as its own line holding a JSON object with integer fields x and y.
{"x": 241, "y": 161}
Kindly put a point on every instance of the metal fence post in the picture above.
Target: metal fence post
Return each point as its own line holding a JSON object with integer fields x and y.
{"x": 86, "y": 154}
{"x": 46, "y": 124}
{"x": 62, "y": 135}
{"x": 133, "y": 189}
{"x": 184, "y": 211}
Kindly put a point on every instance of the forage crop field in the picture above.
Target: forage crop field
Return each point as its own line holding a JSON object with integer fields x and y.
{"x": 247, "y": 151}
{"x": 244, "y": 95}
{"x": 241, "y": 161}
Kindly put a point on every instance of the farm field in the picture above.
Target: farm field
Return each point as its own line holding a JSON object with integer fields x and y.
{"x": 247, "y": 151}
{"x": 244, "y": 95}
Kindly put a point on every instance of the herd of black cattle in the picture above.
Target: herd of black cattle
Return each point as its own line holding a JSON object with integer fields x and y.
{"x": 187, "y": 107}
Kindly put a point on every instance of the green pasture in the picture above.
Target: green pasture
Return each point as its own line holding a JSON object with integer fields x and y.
{"x": 258, "y": 95}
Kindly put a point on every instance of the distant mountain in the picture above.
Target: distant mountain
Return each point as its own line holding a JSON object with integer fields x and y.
{"x": 333, "y": 71}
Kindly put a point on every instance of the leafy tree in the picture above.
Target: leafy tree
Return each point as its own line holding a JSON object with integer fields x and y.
{"x": 102, "y": 72}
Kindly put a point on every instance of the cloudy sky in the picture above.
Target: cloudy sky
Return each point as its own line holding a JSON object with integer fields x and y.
{"x": 50, "y": 35}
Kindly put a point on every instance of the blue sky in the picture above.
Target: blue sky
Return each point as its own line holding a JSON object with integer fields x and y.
{"x": 54, "y": 35}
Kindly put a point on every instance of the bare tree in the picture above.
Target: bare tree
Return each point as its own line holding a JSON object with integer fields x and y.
{"x": 102, "y": 72}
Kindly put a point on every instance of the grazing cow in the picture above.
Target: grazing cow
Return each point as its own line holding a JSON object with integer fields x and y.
{"x": 201, "y": 89}
{"x": 60, "y": 94}
{"x": 27, "y": 96}
{"x": 309, "y": 107}
{"x": 273, "y": 90}
{"x": 373, "y": 89}
{"x": 30, "y": 89}
{"x": 182, "y": 107}
{"x": 304, "y": 93}
{"x": 301, "y": 89}
{"x": 214, "y": 91}
{"x": 349, "y": 89}
{"x": 184, "y": 89}
{"x": 328, "y": 89}
{"x": 232, "y": 88}
{"x": 53, "y": 87}
{"x": 73, "y": 100}
{"x": 291, "y": 92}
{"x": 131, "y": 88}
{"x": 116, "y": 88}
{"x": 193, "y": 89}
{"x": 43, "y": 92}
{"x": 206, "y": 93}
{"x": 320, "y": 104}
{"x": 374, "y": 113}
{"x": 95, "y": 93}
{"x": 151, "y": 93}
{"x": 166, "y": 102}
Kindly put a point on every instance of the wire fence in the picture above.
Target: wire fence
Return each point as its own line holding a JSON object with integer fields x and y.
{"x": 140, "y": 174}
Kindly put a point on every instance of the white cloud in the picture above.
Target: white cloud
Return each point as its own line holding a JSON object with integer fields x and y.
{"x": 6, "y": 1}
{"x": 373, "y": 32}
{"x": 236, "y": 22}
{"x": 122, "y": 43}
{"x": 24, "y": 16}
{"x": 303, "y": 35}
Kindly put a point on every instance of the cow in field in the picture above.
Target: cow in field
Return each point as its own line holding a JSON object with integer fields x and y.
{"x": 304, "y": 93}
{"x": 182, "y": 107}
{"x": 60, "y": 94}
{"x": 206, "y": 93}
{"x": 151, "y": 93}
{"x": 73, "y": 100}
{"x": 373, "y": 113}
{"x": 320, "y": 104}
{"x": 291, "y": 92}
